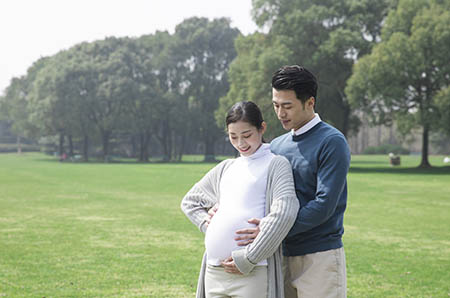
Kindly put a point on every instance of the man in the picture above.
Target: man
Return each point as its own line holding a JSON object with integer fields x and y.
{"x": 320, "y": 159}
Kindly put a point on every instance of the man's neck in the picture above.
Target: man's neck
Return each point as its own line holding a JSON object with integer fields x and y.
{"x": 311, "y": 117}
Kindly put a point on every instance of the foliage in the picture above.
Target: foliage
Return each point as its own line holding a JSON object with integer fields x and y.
{"x": 443, "y": 105}
{"x": 324, "y": 36}
{"x": 143, "y": 88}
{"x": 205, "y": 49}
{"x": 15, "y": 103}
{"x": 250, "y": 75}
{"x": 404, "y": 74}
{"x": 386, "y": 149}
{"x": 9, "y": 148}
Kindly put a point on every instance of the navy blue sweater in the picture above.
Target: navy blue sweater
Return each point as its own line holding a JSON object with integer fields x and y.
{"x": 320, "y": 160}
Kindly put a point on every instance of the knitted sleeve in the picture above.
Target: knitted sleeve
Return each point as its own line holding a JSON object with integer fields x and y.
{"x": 202, "y": 196}
{"x": 334, "y": 162}
{"x": 277, "y": 223}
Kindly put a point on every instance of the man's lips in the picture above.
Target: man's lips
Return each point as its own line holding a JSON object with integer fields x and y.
{"x": 244, "y": 150}
{"x": 284, "y": 121}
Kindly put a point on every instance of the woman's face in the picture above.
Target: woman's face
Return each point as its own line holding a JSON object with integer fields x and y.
{"x": 245, "y": 137}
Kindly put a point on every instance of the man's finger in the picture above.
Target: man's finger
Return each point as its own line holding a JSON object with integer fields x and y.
{"x": 244, "y": 243}
{"x": 245, "y": 237}
{"x": 254, "y": 221}
{"x": 247, "y": 231}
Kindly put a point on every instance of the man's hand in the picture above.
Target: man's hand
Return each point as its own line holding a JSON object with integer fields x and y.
{"x": 246, "y": 236}
{"x": 230, "y": 266}
{"x": 211, "y": 213}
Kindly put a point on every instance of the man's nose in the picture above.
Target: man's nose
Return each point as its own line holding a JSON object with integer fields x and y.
{"x": 280, "y": 113}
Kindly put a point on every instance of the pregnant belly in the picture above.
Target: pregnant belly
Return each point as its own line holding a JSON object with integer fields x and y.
{"x": 219, "y": 238}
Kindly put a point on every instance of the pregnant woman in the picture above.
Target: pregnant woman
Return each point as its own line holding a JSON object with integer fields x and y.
{"x": 258, "y": 184}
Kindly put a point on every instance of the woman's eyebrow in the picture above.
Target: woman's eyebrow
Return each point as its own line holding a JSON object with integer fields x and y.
{"x": 246, "y": 131}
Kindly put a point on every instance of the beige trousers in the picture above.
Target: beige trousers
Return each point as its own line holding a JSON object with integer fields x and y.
{"x": 220, "y": 284}
{"x": 317, "y": 275}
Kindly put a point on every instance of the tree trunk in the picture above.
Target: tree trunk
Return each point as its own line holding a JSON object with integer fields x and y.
{"x": 134, "y": 146}
{"x": 182, "y": 146}
{"x": 346, "y": 122}
{"x": 425, "y": 163}
{"x": 167, "y": 144}
{"x": 86, "y": 148}
{"x": 379, "y": 135}
{"x": 146, "y": 143}
{"x": 105, "y": 143}
{"x": 209, "y": 149}
{"x": 70, "y": 145}
{"x": 19, "y": 145}
{"x": 143, "y": 146}
{"x": 61, "y": 144}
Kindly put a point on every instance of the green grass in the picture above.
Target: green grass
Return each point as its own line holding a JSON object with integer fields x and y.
{"x": 116, "y": 230}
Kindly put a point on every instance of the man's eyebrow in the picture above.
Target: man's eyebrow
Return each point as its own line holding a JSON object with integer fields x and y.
{"x": 283, "y": 103}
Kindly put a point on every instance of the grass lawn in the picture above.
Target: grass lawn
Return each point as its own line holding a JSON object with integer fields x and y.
{"x": 116, "y": 230}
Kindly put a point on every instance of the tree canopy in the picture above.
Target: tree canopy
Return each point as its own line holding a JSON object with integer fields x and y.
{"x": 406, "y": 76}
{"x": 146, "y": 88}
{"x": 324, "y": 36}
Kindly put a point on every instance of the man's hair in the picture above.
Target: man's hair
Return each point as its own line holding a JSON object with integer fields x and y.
{"x": 298, "y": 79}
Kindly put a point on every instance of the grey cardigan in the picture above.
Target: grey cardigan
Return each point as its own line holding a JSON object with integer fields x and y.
{"x": 281, "y": 211}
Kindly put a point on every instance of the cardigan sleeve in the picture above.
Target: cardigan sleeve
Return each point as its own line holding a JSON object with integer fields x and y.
{"x": 277, "y": 223}
{"x": 202, "y": 196}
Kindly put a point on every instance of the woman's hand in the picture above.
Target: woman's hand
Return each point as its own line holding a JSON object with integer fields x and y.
{"x": 230, "y": 266}
{"x": 211, "y": 213}
{"x": 246, "y": 236}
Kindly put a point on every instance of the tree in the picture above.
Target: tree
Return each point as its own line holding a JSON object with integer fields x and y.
{"x": 407, "y": 71}
{"x": 324, "y": 36}
{"x": 204, "y": 49}
{"x": 170, "y": 111}
{"x": 443, "y": 104}
{"x": 106, "y": 81}
{"x": 15, "y": 104}
{"x": 145, "y": 62}
{"x": 250, "y": 75}
{"x": 52, "y": 100}
{"x": 74, "y": 85}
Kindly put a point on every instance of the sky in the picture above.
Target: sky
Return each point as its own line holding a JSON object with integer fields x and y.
{"x": 31, "y": 29}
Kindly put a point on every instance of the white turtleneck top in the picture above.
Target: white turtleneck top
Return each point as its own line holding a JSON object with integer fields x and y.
{"x": 242, "y": 196}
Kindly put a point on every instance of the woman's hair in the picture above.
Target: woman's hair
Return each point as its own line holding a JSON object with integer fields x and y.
{"x": 246, "y": 111}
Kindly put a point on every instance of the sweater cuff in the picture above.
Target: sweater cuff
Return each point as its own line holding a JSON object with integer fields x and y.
{"x": 203, "y": 226}
{"x": 241, "y": 261}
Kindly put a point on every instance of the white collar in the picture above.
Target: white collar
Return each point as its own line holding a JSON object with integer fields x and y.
{"x": 313, "y": 122}
{"x": 261, "y": 151}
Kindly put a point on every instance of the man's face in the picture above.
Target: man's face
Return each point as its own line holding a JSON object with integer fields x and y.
{"x": 291, "y": 112}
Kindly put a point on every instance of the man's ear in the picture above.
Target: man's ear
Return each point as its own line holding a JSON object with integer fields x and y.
{"x": 310, "y": 103}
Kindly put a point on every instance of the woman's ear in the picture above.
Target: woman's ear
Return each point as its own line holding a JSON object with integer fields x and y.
{"x": 263, "y": 127}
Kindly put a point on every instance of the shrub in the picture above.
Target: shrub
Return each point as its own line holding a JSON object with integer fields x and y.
{"x": 386, "y": 149}
{"x": 8, "y": 148}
